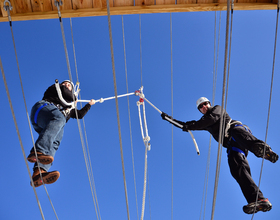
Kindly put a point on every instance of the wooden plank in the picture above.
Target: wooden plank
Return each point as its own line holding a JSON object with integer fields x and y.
{"x": 41, "y": 5}
{"x": 205, "y": 1}
{"x": 22, "y": 6}
{"x": 246, "y": 1}
{"x": 98, "y": 4}
{"x": 77, "y": 4}
{"x": 123, "y": 3}
{"x": 140, "y": 10}
{"x": 165, "y": 2}
{"x": 186, "y": 1}
{"x": 144, "y": 2}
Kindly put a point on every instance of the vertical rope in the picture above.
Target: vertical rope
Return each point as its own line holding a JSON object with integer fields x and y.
{"x": 222, "y": 118}
{"x": 117, "y": 105}
{"x": 129, "y": 118}
{"x": 215, "y": 68}
{"x": 140, "y": 38}
{"x": 26, "y": 110}
{"x": 86, "y": 151}
{"x": 19, "y": 137}
{"x": 270, "y": 97}
{"x": 172, "y": 127}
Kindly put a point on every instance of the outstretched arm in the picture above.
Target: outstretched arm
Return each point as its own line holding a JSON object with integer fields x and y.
{"x": 175, "y": 122}
{"x": 82, "y": 112}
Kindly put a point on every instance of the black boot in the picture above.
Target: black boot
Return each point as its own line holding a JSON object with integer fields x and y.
{"x": 261, "y": 205}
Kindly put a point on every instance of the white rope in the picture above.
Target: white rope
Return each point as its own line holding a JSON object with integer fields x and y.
{"x": 179, "y": 125}
{"x": 146, "y": 140}
{"x": 101, "y": 100}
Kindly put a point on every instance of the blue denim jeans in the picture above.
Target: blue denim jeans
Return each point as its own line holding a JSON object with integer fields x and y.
{"x": 49, "y": 123}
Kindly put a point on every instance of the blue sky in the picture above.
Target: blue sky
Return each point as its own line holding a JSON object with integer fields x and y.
{"x": 42, "y": 60}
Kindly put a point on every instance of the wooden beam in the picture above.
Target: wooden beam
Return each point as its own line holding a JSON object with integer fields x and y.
{"x": 139, "y": 10}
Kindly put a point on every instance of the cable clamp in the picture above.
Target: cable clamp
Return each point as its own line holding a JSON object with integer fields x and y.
{"x": 8, "y": 7}
{"x": 58, "y": 3}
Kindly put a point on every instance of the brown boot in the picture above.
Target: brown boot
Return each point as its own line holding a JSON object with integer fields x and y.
{"x": 43, "y": 159}
{"x": 48, "y": 177}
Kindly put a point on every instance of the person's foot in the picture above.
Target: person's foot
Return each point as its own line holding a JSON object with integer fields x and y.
{"x": 47, "y": 177}
{"x": 261, "y": 205}
{"x": 43, "y": 159}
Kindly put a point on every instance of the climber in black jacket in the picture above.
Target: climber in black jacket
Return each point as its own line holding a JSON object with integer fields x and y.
{"x": 238, "y": 140}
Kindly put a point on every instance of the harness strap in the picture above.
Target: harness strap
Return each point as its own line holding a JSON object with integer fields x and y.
{"x": 246, "y": 127}
{"x": 229, "y": 124}
{"x": 37, "y": 112}
{"x": 237, "y": 150}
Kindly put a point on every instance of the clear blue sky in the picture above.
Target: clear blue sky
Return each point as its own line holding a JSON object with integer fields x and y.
{"x": 42, "y": 60}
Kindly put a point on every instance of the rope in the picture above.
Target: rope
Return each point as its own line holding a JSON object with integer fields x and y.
{"x": 215, "y": 67}
{"x": 19, "y": 137}
{"x": 140, "y": 50}
{"x": 86, "y": 151}
{"x": 146, "y": 140}
{"x": 8, "y": 8}
{"x": 172, "y": 127}
{"x": 222, "y": 119}
{"x": 117, "y": 106}
{"x": 130, "y": 129}
{"x": 217, "y": 59}
{"x": 270, "y": 97}
{"x": 87, "y": 160}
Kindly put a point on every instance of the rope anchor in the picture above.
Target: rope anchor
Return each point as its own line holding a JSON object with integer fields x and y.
{"x": 8, "y": 7}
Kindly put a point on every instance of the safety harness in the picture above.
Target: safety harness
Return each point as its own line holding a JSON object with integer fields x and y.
{"x": 227, "y": 134}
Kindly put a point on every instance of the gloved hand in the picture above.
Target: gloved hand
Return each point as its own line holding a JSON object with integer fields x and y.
{"x": 164, "y": 116}
{"x": 185, "y": 128}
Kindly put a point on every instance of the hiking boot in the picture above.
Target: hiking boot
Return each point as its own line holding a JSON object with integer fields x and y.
{"x": 261, "y": 205}
{"x": 270, "y": 155}
{"x": 43, "y": 159}
{"x": 48, "y": 177}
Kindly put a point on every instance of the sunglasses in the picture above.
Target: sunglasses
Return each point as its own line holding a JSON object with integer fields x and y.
{"x": 202, "y": 104}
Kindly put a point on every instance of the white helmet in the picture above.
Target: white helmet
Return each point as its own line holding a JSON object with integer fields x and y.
{"x": 201, "y": 100}
{"x": 72, "y": 84}
{"x": 74, "y": 88}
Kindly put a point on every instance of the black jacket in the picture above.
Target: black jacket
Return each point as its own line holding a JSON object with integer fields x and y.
{"x": 209, "y": 122}
{"x": 51, "y": 95}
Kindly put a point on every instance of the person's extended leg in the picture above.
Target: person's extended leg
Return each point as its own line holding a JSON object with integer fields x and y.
{"x": 247, "y": 140}
{"x": 240, "y": 170}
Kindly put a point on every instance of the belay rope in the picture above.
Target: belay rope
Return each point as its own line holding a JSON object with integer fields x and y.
{"x": 146, "y": 140}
